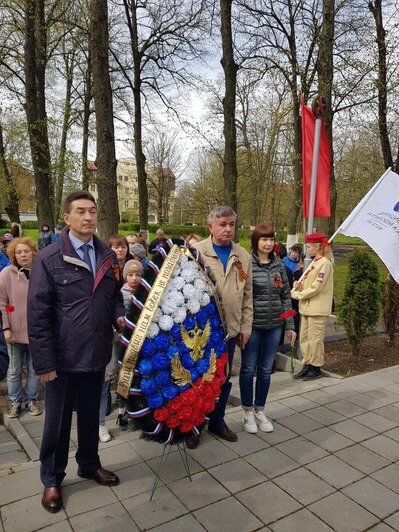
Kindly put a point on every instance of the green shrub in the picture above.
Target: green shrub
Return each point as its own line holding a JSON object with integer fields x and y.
{"x": 30, "y": 224}
{"x": 359, "y": 311}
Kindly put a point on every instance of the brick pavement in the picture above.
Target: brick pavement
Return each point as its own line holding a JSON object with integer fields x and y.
{"x": 332, "y": 463}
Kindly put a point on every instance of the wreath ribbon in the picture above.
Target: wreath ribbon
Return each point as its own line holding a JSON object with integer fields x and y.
{"x": 145, "y": 319}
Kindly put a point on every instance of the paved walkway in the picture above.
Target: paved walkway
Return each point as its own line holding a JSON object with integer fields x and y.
{"x": 330, "y": 464}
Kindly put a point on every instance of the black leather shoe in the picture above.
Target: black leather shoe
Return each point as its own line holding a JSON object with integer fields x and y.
{"x": 52, "y": 499}
{"x": 304, "y": 371}
{"x": 101, "y": 476}
{"x": 192, "y": 441}
{"x": 225, "y": 433}
{"x": 314, "y": 373}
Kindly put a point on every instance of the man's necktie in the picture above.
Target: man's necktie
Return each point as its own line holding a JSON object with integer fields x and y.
{"x": 86, "y": 257}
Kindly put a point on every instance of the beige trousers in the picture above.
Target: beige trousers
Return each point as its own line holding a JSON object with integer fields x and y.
{"x": 311, "y": 339}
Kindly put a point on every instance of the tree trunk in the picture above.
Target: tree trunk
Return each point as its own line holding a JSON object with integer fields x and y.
{"x": 138, "y": 134}
{"x": 297, "y": 192}
{"x": 12, "y": 202}
{"x": 230, "y": 69}
{"x": 376, "y": 10}
{"x": 325, "y": 69}
{"x": 106, "y": 160}
{"x": 35, "y": 71}
{"x": 59, "y": 185}
{"x": 391, "y": 309}
{"x": 86, "y": 121}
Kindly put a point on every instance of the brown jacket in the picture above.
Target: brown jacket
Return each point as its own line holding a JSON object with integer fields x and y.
{"x": 236, "y": 294}
{"x": 316, "y": 289}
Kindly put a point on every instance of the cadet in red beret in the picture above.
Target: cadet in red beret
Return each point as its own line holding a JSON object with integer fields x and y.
{"x": 314, "y": 291}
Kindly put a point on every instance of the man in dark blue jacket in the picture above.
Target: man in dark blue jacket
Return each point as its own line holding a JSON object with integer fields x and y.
{"x": 73, "y": 302}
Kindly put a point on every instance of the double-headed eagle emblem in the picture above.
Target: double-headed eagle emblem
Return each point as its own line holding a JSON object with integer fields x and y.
{"x": 195, "y": 340}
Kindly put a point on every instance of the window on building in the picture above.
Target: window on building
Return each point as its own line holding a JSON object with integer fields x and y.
{"x": 126, "y": 178}
{"x": 127, "y": 191}
{"x": 126, "y": 203}
{"x": 92, "y": 188}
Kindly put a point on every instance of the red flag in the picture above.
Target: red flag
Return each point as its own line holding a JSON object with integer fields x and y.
{"x": 322, "y": 204}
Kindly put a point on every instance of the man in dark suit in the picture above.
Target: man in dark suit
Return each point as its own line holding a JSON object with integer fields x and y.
{"x": 73, "y": 301}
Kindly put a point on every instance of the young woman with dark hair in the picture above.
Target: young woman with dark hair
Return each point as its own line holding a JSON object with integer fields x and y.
{"x": 272, "y": 304}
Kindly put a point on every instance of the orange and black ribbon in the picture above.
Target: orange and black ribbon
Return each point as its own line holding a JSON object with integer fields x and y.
{"x": 242, "y": 275}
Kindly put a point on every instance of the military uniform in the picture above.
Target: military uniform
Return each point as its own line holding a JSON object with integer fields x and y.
{"x": 315, "y": 296}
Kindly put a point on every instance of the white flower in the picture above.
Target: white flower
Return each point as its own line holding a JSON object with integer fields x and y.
{"x": 180, "y": 315}
{"x": 192, "y": 265}
{"x": 157, "y": 315}
{"x": 193, "y": 306}
{"x": 176, "y": 297}
{"x": 200, "y": 285}
{"x": 176, "y": 272}
{"x": 188, "y": 291}
{"x": 184, "y": 261}
{"x": 168, "y": 306}
{"x": 177, "y": 283}
{"x": 153, "y": 330}
{"x": 189, "y": 274}
{"x": 205, "y": 299}
{"x": 165, "y": 323}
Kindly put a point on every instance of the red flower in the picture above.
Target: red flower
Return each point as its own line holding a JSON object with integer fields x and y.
{"x": 186, "y": 427}
{"x": 10, "y": 308}
{"x": 288, "y": 314}
{"x": 161, "y": 414}
{"x": 172, "y": 422}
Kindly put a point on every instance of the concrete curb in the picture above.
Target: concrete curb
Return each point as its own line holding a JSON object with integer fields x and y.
{"x": 17, "y": 430}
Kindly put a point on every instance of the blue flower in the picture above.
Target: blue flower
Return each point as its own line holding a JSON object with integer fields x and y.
{"x": 145, "y": 367}
{"x": 202, "y": 366}
{"x": 148, "y": 348}
{"x": 189, "y": 323}
{"x": 202, "y": 318}
{"x": 162, "y": 342}
{"x": 175, "y": 333}
{"x": 172, "y": 351}
{"x": 220, "y": 348}
{"x": 214, "y": 338}
{"x": 163, "y": 378}
{"x": 155, "y": 400}
{"x": 148, "y": 386}
{"x": 211, "y": 308}
{"x": 170, "y": 392}
{"x": 194, "y": 374}
{"x": 187, "y": 361}
{"x": 160, "y": 361}
{"x": 215, "y": 322}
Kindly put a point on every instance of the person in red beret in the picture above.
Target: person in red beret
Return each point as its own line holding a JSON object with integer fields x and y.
{"x": 314, "y": 291}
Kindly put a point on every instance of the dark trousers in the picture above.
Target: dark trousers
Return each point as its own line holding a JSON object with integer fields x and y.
{"x": 60, "y": 395}
{"x": 216, "y": 419}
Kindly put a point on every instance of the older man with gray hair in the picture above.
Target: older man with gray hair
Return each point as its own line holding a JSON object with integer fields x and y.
{"x": 231, "y": 267}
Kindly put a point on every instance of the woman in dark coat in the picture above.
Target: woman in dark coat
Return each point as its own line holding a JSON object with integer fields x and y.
{"x": 272, "y": 305}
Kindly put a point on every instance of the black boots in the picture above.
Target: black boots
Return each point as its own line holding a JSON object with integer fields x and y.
{"x": 309, "y": 373}
{"x": 304, "y": 371}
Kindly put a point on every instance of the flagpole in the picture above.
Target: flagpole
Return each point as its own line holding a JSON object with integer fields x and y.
{"x": 318, "y": 111}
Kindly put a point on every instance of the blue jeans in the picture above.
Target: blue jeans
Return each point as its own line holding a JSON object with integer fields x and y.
{"x": 258, "y": 357}
{"x": 17, "y": 354}
{"x": 216, "y": 419}
{"x": 104, "y": 401}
